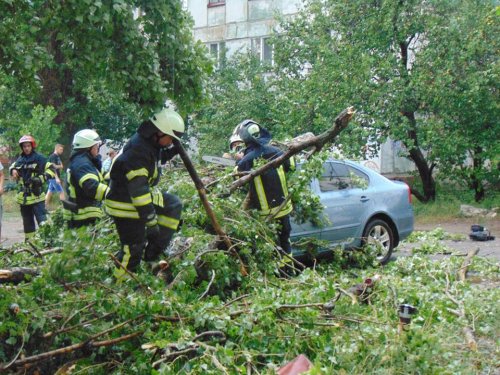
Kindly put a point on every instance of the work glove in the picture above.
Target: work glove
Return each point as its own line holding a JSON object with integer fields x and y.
{"x": 168, "y": 153}
{"x": 152, "y": 231}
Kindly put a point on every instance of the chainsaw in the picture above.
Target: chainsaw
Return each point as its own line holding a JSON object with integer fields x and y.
{"x": 218, "y": 160}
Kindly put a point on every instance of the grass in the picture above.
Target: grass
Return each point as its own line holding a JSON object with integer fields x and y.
{"x": 446, "y": 207}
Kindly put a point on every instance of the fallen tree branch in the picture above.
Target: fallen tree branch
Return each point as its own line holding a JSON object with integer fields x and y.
{"x": 17, "y": 274}
{"x": 462, "y": 272}
{"x": 294, "y": 148}
{"x": 202, "y": 193}
{"x": 71, "y": 348}
{"x": 460, "y": 313}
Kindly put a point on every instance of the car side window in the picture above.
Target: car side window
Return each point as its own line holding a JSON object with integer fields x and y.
{"x": 339, "y": 176}
{"x": 335, "y": 177}
{"x": 357, "y": 178}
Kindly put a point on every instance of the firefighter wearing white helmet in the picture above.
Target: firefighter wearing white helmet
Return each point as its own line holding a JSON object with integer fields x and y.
{"x": 85, "y": 185}
{"x": 85, "y": 138}
{"x": 31, "y": 170}
{"x": 145, "y": 218}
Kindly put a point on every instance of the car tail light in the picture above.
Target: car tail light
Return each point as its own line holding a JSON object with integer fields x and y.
{"x": 409, "y": 193}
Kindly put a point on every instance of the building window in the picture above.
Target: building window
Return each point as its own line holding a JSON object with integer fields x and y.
{"x": 217, "y": 51}
{"x": 214, "y": 3}
{"x": 263, "y": 49}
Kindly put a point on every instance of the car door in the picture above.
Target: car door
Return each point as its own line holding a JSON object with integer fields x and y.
{"x": 344, "y": 192}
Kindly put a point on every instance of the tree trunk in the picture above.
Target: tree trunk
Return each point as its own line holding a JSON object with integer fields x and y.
{"x": 475, "y": 182}
{"x": 424, "y": 169}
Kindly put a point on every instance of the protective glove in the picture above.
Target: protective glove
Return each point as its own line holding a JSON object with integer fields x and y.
{"x": 152, "y": 231}
{"x": 168, "y": 153}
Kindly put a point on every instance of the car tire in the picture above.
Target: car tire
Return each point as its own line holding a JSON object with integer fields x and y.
{"x": 379, "y": 233}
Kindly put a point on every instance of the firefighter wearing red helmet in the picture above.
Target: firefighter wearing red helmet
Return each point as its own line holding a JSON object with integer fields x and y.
{"x": 31, "y": 170}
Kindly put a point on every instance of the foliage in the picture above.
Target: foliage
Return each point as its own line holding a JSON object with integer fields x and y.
{"x": 265, "y": 320}
{"x": 468, "y": 150}
{"x": 387, "y": 59}
{"x": 133, "y": 53}
{"x": 242, "y": 89}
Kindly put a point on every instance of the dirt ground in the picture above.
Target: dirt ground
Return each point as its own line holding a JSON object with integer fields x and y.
{"x": 462, "y": 226}
{"x": 12, "y": 232}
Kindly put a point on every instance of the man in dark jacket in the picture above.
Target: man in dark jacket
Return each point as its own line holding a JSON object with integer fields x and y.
{"x": 268, "y": 192}
{"x": 31, "y": 170}
{"x": 85, "y": 183}
{"x": 141, "y": 213}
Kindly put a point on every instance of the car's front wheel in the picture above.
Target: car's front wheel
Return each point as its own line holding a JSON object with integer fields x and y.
{"x": 379, "y": 237}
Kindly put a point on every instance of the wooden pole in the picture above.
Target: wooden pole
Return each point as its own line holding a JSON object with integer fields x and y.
{"x": 206, "y": 204}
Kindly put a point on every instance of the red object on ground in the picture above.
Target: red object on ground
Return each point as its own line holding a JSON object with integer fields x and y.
{"x": 299, "y": 365}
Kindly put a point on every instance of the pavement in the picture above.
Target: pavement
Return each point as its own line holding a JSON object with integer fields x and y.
{"x": 12, "y": 232}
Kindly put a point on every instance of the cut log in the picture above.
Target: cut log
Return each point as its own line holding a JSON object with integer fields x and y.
{"x": 17, "y": 274}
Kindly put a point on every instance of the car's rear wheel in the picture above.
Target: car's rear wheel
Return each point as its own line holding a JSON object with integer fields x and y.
{"x": 379, "y": 238}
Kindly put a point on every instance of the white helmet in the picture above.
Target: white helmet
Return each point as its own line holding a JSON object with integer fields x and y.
{"x": 169, "y": 122}
{"x": 235, "y": 137}
{"x": 85, "y": 138}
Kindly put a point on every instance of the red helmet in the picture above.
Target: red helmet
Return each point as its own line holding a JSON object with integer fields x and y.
{"x": 27, "y": 138}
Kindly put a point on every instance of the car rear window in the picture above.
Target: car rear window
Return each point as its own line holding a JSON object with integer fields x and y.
{"x": 340, "y": 176}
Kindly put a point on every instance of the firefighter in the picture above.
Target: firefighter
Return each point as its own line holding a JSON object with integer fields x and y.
{"x": 85, "y": 183}
{"x": 268, "y": 192}
{"x": 236, "y": 146}
{"x": 31, "y": 170}
{"x": 145, "y": 217}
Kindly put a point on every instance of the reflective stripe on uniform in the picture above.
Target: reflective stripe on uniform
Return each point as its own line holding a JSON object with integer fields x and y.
{"x": 121, "y": 209}
{"x": 120, "y": 272}
{"x": 142, "y": 200}
{"x": 30, "y": 199}
{"x": 158, "y": 198}
{"x": 261, "y": 194}
{"x": 276, "y": 212}
{"x": 88, "y": 176}
{"x": 49, "y": 171}
{"x": 169, "y": 222}
{"x": 101, "y": 191}
{"x": 137, "y": 173}
{"x": 281, "y": 174}
{"x": 88, "y": 213}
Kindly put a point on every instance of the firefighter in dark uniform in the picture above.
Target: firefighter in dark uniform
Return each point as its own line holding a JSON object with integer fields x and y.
{"x": 268, "y": 192}
{"x": 85, "y": 183}
{"x": 31, "y": 170}
{"x": 143, "y": 214}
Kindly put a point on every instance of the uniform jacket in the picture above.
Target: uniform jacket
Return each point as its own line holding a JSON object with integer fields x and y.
{"x": 269, "y": 190}
{"x": 133, "y": 175}
{"x": 29, "y": 167}
{"x": 85, "y": 186}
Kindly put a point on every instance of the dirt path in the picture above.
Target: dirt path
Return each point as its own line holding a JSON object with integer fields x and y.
{"x": 490, "y": 249}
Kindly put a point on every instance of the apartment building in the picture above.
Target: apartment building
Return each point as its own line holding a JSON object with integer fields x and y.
{"x": 238, "y": 25}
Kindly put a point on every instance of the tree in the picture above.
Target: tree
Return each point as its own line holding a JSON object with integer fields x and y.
{"x": 466, "y": 68}
{"x": 370, "y": 55}
{"x": 73, "y": 54}
{"x": 242, "y": 89}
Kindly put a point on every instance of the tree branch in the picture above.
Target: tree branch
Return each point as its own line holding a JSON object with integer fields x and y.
{"x": 317, "y": 142}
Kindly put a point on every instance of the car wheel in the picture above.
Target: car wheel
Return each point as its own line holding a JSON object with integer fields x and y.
{"x": 378, "y": 235}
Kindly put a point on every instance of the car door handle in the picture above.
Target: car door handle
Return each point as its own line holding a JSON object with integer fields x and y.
{"x": 364, "y": 198}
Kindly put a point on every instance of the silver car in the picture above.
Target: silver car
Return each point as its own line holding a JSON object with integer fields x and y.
{"x": 363, "y": 207}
